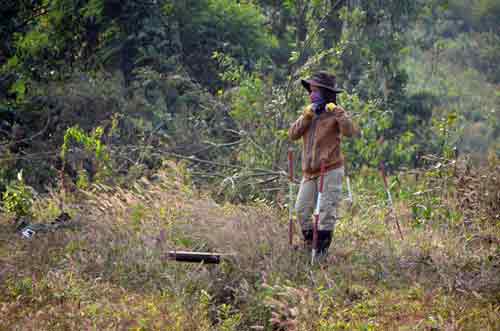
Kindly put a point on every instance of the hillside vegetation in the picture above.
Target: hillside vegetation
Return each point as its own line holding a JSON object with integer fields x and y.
{"x": 110, "y": 271}
{"x": 153, "y": 125}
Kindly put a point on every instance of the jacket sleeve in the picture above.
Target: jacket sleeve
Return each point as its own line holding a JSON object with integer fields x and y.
{"x": 299, "y": 127}
{"x": 346, "y": 125}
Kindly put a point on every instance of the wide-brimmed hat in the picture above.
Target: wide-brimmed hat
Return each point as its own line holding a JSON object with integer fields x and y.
{"x": 322, "y": 79}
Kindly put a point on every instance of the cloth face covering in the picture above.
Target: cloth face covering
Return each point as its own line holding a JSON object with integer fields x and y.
{"x": 317, "y": 101}
{"x": 316, "y": 97}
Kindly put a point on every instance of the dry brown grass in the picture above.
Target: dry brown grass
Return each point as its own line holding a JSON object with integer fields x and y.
{"x": 110, "y": 272}
{"x": 478, "y": 191}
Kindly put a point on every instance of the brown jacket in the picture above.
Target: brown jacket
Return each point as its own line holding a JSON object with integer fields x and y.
{"x": 322, "y": 136}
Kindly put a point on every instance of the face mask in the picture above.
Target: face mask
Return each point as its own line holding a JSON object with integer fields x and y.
{"x": 316, "y": 97}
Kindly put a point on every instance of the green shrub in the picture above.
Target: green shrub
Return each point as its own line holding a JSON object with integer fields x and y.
{"x": 18, "y": 197}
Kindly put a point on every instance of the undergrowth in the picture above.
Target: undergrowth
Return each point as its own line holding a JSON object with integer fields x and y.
{"x": 111, "y": 272}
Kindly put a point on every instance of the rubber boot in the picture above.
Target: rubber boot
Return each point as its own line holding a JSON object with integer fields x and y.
{"x": 324, "y": 241}
{"x": 308, "y": 239}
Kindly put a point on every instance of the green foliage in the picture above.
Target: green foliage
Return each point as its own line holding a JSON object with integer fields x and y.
{"x": 478, "y": 50}
{"x": 248, "y": 103}
{"x": 369, "y": 147}
{"x": 18, "y": 198}
{"x": 50, "y": 34}
{"x": 453, "y": 59}
{"x": 217, "y": 81}
{"x": 31, "y": 44}
{"x": 83, "y": 180}
{"x": 427, "y": 196}
{"x": 231, "y": 71}
{"x": 447, "y": 133}
{"x": 250, "y": 111}
{"x": 228, "y": 320}
{"x": 251, "y": 54}
{"x": 234, "y": 28}
{"x": 376, "y": 141}
{"x": 94, "y": 9}
{"x": 19, "y": 88}
{"x": 92, "y": 144}
{"x": 480, "y": 15}
{"x": 21, "y": 288}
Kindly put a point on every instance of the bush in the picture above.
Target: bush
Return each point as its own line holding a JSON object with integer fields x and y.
{"x": 18, "y": 198}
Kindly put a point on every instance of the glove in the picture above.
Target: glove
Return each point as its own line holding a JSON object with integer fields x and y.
{"x": 333, "y": 108}
{"x": 330, "y": 107}
{"x": 308, "y": 112}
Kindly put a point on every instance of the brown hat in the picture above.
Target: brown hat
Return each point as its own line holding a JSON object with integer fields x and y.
{"x": 322, "y": 79}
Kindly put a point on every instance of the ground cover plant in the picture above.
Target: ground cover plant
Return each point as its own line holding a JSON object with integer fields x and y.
{"x": 111, "y": 271}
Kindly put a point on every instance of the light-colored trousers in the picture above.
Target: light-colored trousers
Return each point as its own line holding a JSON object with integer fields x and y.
{"x": 330, "y": 199}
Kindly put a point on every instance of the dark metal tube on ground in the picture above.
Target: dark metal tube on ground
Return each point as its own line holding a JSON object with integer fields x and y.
{"x": 195, "y": 257}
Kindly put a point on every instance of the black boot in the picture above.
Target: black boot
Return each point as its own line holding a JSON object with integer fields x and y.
{"x": 324, "y": 241}
{"x": 308, "y": 239}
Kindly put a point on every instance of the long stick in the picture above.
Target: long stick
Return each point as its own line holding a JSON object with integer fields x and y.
{"x": 290, "y": 193}
{"x": 316, "y": 214}
{"x": 196, "y": 257}
{"x": 389, "y": 197}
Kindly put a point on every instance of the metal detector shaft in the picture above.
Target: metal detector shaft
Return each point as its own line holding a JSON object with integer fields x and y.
{"x": 349, "y": 192}
{"x": 389, "y": 198}
{"x": 316, "y": 214}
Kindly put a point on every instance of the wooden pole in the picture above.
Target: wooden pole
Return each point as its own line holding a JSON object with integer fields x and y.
{"x": 291, "y": 202}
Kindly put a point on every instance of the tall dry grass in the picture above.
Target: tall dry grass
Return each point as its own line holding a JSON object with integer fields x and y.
{"x": 111, "y": 272}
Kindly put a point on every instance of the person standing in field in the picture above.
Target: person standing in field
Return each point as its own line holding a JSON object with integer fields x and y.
{"x": 321, "y": 126}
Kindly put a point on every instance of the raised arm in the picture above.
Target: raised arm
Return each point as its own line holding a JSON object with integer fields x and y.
{"x": 346, "y": 125}
{"x": 300, "y": 126}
